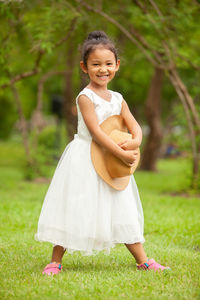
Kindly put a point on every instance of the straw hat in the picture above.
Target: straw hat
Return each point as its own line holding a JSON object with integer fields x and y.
{"x": 111, "y": 169}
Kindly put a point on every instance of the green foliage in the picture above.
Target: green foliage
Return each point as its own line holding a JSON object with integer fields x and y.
{"x": 32, "y": 26}
{"x": 8, "y": 117}
{"x": 49, "y": 145}
{"x": 45, "y": 153}
{"x": 179, "y": 129}
{"x": 179, "y": 133}
{"x": 45, "y": 24}
{"x": 26, "y": 27}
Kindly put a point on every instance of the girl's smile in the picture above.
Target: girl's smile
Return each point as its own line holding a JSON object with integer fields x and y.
{"x": 101, "y": 67}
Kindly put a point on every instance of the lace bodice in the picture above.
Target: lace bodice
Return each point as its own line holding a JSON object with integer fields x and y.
{"x": 103, "y": 109}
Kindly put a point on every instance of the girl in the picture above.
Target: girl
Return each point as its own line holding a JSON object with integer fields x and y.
{"x": 80, "y": 210}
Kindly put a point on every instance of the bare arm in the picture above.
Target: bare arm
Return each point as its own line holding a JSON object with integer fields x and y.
{"x": 88, "y": 112}
{"x": 133, "y": 127}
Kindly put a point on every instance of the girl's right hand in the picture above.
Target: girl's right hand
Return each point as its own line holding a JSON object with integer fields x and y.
{"x": 129, "y": 157}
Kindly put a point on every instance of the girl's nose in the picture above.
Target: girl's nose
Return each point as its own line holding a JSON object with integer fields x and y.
{"x": 102, "y": 69}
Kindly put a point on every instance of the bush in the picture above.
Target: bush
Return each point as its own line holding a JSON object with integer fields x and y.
{"x": 45, "y": 151}
{"x": 7, "y": 117}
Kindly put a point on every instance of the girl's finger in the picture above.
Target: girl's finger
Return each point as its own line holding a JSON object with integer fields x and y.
{"x": 121, "y": 144}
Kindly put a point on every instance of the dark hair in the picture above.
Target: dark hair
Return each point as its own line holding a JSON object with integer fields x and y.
{"x": 94, "y": 40}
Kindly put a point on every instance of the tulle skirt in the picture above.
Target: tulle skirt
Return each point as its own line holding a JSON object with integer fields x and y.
{"x": 83, "y": 213}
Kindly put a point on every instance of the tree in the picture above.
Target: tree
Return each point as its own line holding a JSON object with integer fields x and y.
{"x": 36, "y": 30}
{"x": 39, "y": 31}
{"x": 165, "y": 50}
{"x": 152, "y": 110}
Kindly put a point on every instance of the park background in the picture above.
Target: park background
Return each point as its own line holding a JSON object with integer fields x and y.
{"x": 158, "y": 45}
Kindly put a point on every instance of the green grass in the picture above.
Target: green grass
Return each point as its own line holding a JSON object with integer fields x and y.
{"x": 172, "y": 232}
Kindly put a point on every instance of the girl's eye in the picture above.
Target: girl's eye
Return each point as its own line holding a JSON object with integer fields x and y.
{"x": 109, "y": 64}
{"x": 95, "y": 64}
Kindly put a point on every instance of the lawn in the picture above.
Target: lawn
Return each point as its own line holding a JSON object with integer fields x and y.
{"x": 172, "y": 233}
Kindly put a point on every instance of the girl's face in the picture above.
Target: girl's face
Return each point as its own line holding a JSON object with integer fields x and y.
{"x": 101, "y": 66}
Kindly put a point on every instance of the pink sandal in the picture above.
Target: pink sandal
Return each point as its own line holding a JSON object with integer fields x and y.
{"x": 52, "y": 268}
{"x": 151, "y": 264}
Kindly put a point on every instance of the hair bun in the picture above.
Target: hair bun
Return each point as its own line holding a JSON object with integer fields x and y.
{"x": 96, "y": 35}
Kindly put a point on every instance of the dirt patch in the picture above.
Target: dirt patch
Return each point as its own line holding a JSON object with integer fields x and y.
{"x": 184, "y": 195}
{"x": 41, "y": 180}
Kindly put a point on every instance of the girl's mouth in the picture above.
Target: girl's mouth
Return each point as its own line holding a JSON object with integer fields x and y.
{"x": 103, "y": 77}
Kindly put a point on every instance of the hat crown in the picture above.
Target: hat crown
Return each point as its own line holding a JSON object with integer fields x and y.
{"x": 115, "y": 166}
{"x": 110, "y": 168}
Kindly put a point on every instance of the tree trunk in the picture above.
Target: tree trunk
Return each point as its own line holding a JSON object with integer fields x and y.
{"x": 23, "y": 126}
{"x": 192, "y": 125}
{"x": 152, "y": 110}
{"x": 68, "y": 105}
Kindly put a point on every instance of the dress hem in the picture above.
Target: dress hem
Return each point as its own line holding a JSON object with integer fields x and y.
{"x": 90, "y": 252}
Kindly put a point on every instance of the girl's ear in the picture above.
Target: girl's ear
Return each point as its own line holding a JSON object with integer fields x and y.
{"x": 83, "y": 67}
{"x": 117, "y": 65}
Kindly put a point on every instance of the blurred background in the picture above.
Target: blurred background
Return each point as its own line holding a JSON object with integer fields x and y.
{"x": 158, "y": 46}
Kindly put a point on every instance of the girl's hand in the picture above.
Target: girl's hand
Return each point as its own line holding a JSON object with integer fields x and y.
{"x": 129, "y": 157}
{"x": 129, "y": 145}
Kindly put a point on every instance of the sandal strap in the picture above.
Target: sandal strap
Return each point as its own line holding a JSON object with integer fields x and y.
{"x": 147, "y": 264}
{"x": 50, "y": 266}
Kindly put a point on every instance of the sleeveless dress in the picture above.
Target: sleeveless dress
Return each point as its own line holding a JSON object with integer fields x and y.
{"x": 80, "y": 211}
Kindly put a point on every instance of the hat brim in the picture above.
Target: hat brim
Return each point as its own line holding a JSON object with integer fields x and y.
{"x": 98, "y": 154}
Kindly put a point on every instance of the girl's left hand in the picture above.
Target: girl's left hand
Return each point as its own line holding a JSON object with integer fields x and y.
{"x": 129, "y": 145}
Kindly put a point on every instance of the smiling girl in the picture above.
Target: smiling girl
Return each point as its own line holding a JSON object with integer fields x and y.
{"x": 81, "y": 212}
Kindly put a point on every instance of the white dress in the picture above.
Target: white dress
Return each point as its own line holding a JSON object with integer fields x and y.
{"x": 81, "y": 211}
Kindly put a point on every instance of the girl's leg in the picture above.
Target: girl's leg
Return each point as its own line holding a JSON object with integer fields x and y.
{"x": 55, "y": 266}
{"x": 57, "y": 254}
{"x": 138, "y": 252}
{"x": 142, "y": 260}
